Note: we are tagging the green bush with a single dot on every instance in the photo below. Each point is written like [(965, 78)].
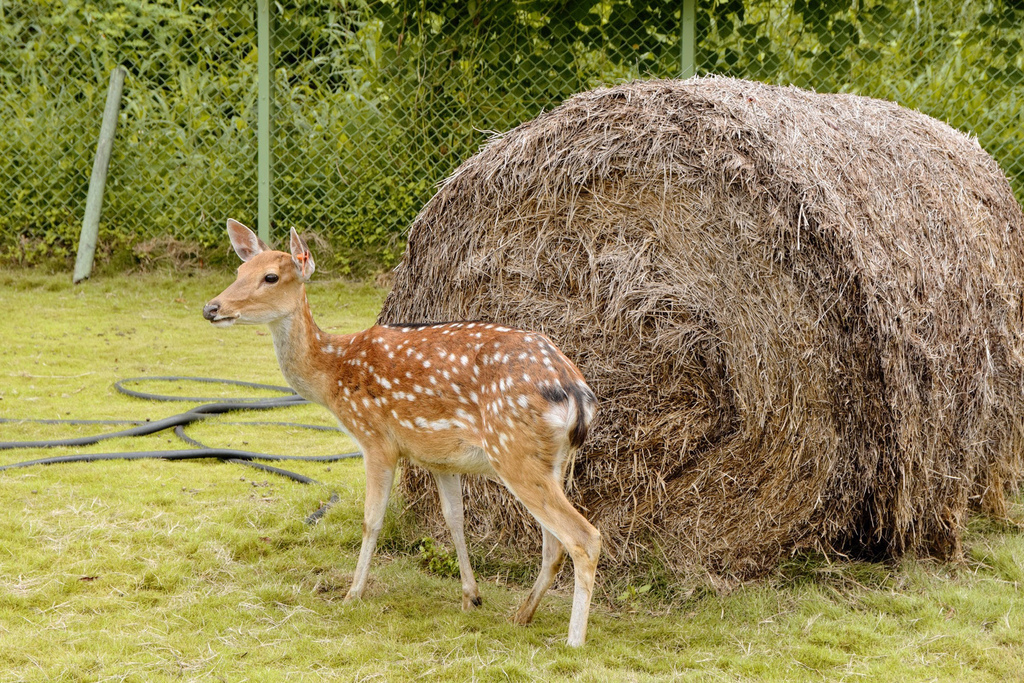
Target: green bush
[(377, 102)]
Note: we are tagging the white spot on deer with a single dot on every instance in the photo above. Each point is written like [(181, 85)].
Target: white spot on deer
[(435, 425), (383, 382), (523, 401), (426, 363)]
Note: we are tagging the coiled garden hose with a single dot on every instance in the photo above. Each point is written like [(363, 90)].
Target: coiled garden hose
[(211, 406)]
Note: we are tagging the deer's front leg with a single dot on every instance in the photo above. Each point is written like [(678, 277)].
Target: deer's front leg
[(380, 473), (450, 488)]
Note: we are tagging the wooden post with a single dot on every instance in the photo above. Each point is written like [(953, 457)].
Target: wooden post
[(687, 39), (264, 162), (98, 181)]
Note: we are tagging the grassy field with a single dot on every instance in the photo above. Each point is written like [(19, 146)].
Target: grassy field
[(201, 570)]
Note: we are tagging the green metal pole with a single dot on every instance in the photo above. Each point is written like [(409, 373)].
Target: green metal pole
[(264, 162), (687, 39), (98, 180)]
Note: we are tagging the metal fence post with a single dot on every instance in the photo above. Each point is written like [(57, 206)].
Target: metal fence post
[(264, 162), (687, 39), (98, 180)]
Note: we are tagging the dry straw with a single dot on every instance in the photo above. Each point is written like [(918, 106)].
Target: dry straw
[(801, 314)]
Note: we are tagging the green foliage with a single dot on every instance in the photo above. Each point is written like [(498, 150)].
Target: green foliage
[(376, 101), (961, 62), (184, 147), (436, 559)]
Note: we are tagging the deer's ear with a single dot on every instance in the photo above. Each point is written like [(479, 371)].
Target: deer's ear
[(245, 242), (301, 257)]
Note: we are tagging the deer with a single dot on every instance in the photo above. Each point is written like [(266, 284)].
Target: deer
[(456, 398)]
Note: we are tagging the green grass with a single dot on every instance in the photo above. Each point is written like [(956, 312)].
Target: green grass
[(200, 570)]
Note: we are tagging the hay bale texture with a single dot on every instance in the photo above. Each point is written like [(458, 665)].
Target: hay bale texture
[(801, 314)]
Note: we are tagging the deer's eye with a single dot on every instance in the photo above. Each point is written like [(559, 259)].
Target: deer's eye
[(270, 278)]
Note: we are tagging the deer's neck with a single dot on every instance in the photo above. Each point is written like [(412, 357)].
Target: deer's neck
[(304, 353)]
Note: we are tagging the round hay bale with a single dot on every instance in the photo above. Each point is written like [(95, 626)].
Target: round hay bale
[(801, 314)]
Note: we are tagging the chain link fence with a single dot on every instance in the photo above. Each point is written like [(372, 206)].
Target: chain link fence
[(376, 102), (184, 153)]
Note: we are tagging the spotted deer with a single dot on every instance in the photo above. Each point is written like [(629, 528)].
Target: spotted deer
[(455, 398)]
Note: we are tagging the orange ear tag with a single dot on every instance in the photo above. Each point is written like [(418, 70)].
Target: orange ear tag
[(303, 259)]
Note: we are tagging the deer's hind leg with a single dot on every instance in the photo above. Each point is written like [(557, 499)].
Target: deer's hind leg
[(552, 558), (536, 481)]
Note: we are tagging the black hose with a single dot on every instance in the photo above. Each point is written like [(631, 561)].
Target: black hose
[(216, 406), (120, 386)]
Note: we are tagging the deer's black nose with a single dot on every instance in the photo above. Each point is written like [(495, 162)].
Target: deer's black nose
[(210, 310)]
